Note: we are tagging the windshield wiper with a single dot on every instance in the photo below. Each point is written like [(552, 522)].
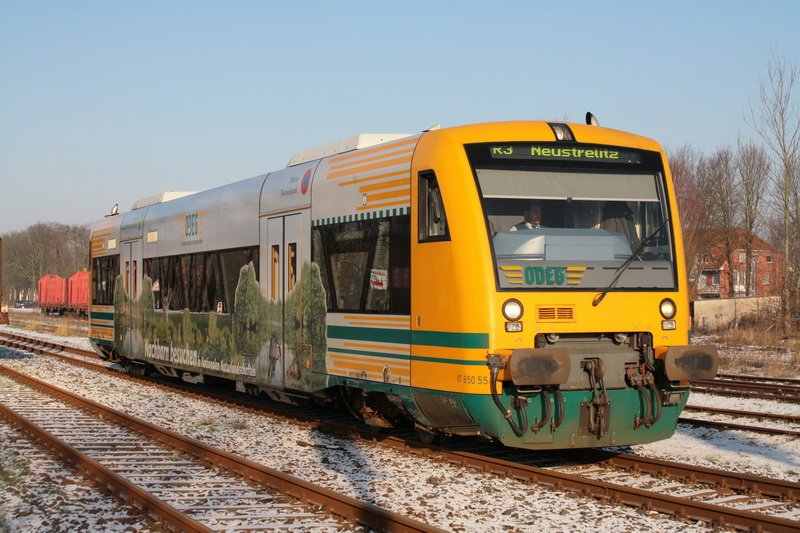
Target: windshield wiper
[(645, 242)]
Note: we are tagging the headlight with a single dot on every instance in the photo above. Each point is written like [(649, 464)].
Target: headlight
[(667, 308), (512, 310)]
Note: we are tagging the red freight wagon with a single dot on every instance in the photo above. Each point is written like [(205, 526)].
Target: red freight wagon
[(52, 294), (78, 292)]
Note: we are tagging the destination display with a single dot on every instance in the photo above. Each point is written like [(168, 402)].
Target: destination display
[(550, 152)]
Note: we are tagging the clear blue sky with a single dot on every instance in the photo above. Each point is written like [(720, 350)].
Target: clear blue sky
[(105, 102)]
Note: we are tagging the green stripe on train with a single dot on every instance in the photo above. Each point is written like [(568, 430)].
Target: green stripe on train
[(446, 339), (397, 336), (406, 357), (448, 361), (103, 342), (101, 316), (400, 356)]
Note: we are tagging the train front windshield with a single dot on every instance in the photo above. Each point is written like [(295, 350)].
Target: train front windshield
[(576, 216)]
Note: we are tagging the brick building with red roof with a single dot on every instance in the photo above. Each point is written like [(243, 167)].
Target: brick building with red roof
[(715, 272)]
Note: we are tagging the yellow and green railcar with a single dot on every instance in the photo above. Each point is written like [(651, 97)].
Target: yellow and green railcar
[(521, 281)]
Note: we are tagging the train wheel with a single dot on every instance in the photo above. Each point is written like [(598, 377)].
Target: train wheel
[(429, 437)]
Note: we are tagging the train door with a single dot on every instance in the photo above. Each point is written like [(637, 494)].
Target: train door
[(132, 268), (131, 271), (280, 273)]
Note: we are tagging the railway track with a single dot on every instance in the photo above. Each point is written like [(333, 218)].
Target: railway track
[(747, 388), (186, 484), (761, 379), (789, 419), (736, 413), (91, 360), (716, 497), (42, 493)]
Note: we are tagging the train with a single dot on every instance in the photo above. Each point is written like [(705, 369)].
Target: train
[(520, 281), (57, 295)]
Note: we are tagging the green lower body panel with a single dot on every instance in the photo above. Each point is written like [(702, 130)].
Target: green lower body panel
[(580, 425), (101, 342)]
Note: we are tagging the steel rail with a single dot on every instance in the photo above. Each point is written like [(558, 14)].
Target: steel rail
[(104, 477), (792, 419), (686, 508), (55, 350), (727, 426), (785, 490), (767, 391), (764, 379), (355, 511), (34, 343), (778, 388), (719, 516)]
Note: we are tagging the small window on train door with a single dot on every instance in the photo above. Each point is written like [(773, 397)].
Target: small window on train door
[(276, 272), (291, 267), (432, 217), (127, 275)]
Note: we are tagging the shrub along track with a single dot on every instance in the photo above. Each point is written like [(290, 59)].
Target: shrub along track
[(717, 497)]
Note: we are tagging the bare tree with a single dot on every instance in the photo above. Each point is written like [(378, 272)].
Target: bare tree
[(717, 181), (752, 171), (777, 121), (44, 248), (694, 211)]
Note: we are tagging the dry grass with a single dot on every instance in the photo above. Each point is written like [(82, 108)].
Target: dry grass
[(766, 365), (62, 326), (64, 330), (758, 348), (763, 335)]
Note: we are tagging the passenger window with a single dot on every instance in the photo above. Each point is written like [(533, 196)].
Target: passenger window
[(104, 275), (200, 282), (432, 217), (364, 264)]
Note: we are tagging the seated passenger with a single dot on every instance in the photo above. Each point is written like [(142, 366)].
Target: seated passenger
[(618, 217), (533, 218)]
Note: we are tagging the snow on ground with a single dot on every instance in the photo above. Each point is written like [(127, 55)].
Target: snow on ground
[(448, 496), (743, 404), (74, 342), (38, 493), (772, 456), (755, 360), (700, 399)]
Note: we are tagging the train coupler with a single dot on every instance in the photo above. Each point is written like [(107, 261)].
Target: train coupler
[(496, 363), (650, 394), (596, 413)]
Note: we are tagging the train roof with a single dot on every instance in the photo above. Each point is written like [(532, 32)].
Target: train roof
[(159, 198), (355, 142)]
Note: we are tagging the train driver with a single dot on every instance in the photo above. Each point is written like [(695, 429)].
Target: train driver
[(533, 218)]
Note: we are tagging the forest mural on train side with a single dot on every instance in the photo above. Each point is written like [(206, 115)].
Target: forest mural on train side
[(249, 344)]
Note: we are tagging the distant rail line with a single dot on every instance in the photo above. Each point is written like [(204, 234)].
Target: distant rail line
[(726, 499), (766, 389), (762, 379)]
